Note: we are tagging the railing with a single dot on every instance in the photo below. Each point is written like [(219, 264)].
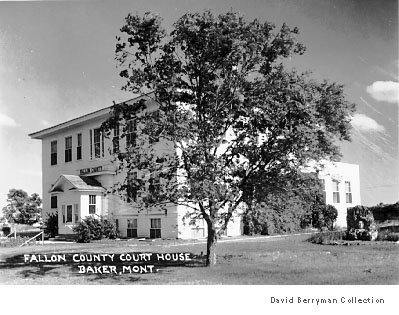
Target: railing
[(41, 233), (14, 232)]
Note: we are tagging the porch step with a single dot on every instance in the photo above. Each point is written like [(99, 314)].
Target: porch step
[(65, 238)]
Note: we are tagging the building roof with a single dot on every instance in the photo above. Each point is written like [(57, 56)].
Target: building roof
[(102, 113), (78, 183)]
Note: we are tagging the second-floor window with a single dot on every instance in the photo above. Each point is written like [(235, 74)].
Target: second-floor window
[(131, 133), (131, 189), (335, 188), (154, 131), (53, 155), (68, 149), (53, 202), (96, 143), (154, 186), (79, 147), (115, 140), (348, 192)]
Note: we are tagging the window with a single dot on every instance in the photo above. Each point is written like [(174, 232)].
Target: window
[(335, 188), (53, 202), (53, 152), (115, 140), (91, 143), (131, 133), (131, 228), (96, 143), (92, 204), (69, 214), (63, 213), (323, 186), (153, 125), (131, 188), (348, 192), (76, 213), (155, 230), (68, 149), (79, 147), (154, 187)]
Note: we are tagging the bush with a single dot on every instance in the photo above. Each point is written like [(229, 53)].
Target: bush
[(324, 217), (109, 230), (327, 237), (92, 228), (51, 224), (6, 230), (388, 236)]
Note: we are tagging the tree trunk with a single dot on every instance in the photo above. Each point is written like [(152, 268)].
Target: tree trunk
[(211, 245)]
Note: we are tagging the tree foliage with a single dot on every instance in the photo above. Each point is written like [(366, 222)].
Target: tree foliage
[(232, 116), (91, 228), (288, 209), (51, 224), (22, 208)]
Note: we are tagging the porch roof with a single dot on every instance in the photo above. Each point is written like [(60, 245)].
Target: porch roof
[(78, 183)]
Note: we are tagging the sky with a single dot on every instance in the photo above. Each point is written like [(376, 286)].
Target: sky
[(57, 63)]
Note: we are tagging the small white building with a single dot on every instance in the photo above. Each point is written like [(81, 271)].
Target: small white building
[(78, 170), (341, 183)]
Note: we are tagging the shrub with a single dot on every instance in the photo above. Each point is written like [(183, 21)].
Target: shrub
[(6, 230), (327, 237), (109, 230), (51, 224), (388, 236), (92, 228), (324, 217)]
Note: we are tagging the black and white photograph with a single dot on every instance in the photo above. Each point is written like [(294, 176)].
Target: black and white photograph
[(246, 150)]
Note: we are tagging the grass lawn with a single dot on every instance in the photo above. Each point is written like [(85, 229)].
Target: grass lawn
[(285, 260)]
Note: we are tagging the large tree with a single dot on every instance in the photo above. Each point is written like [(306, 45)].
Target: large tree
[(22, 208), (232, 115)]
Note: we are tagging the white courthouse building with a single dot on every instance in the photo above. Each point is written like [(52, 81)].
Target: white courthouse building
[(78, 170)]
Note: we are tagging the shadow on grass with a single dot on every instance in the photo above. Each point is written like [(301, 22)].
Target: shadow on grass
[(111, 269)]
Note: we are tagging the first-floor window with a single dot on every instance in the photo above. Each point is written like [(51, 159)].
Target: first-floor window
[(69, 214), (323, 186), (76, 213), (155, 230), (131, 228), (92, 204), (335, 187), (63, 213)]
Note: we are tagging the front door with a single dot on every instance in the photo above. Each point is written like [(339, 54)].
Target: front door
[(68, 214)]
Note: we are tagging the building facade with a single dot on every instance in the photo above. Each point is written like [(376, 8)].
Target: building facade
[(341, 185), (78, 173)]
